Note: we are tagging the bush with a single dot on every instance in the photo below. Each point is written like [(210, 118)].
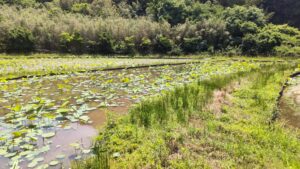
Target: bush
[(288, 51), (262, 43), (82, 8), (249, 45), (173, 11), (72, 43), (2, 37), (192, 45), (23, 3), (163, 44), (145, 46), (241, 20), (20, 39), (103, 45), (126, 46)]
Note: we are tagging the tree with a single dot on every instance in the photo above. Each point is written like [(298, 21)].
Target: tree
[(241, 20), (172, 11), (20, 39), (284, 11)]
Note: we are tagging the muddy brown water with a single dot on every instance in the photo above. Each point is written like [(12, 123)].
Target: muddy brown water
[(290, 104), (82, 134)]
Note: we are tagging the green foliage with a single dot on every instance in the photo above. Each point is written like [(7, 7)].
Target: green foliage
[(80, 8), (163, 44), (145, 46), (201, 11), (241, 20), (72, 43), (20, 39), (262, 43), (187, 26), (192, 45), (126, 46), (173, 11), (241, 136), (23, 3), (104, 44), (287, 51), (286, 11), (283, 38)]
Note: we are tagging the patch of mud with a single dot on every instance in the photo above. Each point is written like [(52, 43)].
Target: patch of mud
[(222, 97), (289, 104), (61, 145)]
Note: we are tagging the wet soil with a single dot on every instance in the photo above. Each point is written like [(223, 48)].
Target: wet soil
[(290, 104), (48, 87)]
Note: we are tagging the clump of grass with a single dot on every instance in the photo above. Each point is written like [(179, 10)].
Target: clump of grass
[(180, 103), (175, 130)]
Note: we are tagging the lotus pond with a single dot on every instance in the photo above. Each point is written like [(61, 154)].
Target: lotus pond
[(48, 121), (27, 67)]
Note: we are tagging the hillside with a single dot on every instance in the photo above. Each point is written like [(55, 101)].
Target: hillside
[(145, 27)]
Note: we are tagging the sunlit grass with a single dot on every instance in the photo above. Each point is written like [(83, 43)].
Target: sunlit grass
[(175, 130)]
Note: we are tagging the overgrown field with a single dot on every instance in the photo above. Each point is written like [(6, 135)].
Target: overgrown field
[(177, 113), (41, 64), (185, 128)]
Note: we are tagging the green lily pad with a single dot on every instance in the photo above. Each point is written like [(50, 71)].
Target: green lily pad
[(60, 156), (54, 163), (48, 135), (32, 164), (86, 151)]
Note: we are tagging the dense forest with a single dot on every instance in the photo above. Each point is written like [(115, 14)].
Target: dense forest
[(127, 27)]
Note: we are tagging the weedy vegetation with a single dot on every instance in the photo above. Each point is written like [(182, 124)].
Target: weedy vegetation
[(177, 130)]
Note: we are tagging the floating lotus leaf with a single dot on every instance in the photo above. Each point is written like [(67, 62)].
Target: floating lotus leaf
[(75, 145), (3, 152), (63, 111), (86, 151), (78, 157), (60, 156), (32, 164), (43, 166), (48, 135), (84, 118), (54, 163)]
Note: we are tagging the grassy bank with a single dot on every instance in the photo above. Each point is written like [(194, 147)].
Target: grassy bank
[(177, 130), (40, 65), (22, 66)]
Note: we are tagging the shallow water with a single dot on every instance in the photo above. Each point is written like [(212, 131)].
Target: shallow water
[(97, 93), (61, 113), (290, 103)]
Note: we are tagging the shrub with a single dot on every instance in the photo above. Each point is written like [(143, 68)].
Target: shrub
[(241, 20), (23, 3), (191, 45), (72, 43), (126, 46), (249, 45), (20, 39), (2, 37), (104, 44), (130, 45), (287, 51), (145, 46), (262, 43), (203, 11), (163, 44), (173, 11), (82, 8)]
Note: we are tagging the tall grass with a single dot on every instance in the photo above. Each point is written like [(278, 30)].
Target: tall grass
[(159, 127), (182, 102)]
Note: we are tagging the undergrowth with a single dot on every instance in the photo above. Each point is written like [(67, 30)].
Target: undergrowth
[(175, 130)]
